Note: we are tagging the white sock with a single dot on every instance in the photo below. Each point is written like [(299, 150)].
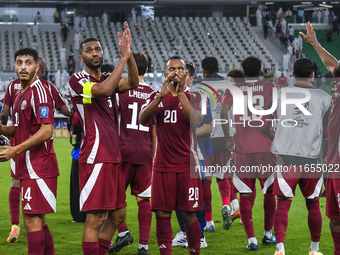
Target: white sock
[(280, 246), (268, 233), (235, 205), (314, 246), (210, 223), (252, 240)]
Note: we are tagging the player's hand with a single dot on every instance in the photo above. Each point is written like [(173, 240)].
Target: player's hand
[(165, 89), (310, 38), (125, 42), (181, 76), (230, 144), (8, 153)]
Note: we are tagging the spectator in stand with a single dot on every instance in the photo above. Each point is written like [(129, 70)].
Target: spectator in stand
[(336, 25), (283, 39), (300, 15), (70, 51), (56, 16), (63, 57), (291, 34), (282, 81), (37, 18), (282, 15), (71, 65), (64, 32), (28, 30), (288, 13), (278, 28)]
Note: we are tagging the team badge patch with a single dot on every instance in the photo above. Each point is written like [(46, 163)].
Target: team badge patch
[(43, 111), (23, 105), (179, 105)]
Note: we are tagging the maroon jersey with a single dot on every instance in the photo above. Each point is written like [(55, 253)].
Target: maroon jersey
[(58, 101), (135, 139), (176, 140), (250, 139), (99, 119), (15, 86), (30, 109), (334, 130), (11, 90)]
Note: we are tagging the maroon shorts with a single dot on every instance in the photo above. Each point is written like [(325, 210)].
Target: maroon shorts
[(288, 177), (139, 178), (252, 166), (176, 191), (333, 198), (219, 157), (101, 187), (39, 196)]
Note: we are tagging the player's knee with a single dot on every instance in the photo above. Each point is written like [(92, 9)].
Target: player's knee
[(334, 222), (188, 217)]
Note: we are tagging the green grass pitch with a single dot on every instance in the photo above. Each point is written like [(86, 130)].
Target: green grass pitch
[(67, 236)]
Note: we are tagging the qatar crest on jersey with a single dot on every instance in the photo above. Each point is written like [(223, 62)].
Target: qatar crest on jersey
[(179, 105), (23, 105)]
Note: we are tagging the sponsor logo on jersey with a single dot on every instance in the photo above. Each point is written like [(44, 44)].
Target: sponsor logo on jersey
[(23, 105), (195, 205), (27, 207), (43, 111)]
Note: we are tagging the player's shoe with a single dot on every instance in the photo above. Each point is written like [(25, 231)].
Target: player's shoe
[(180, 239), (121, 242), (143, 249), (210, 227), (314, 252), (203, 243), (14, 235), (226, 215), (268, 241), (236, 215), (252, 246), (280, 252)]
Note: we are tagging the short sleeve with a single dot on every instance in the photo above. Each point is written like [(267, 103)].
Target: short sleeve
[(82, 87), (8, 98), (58, 100), (228, 98), (42, 105)]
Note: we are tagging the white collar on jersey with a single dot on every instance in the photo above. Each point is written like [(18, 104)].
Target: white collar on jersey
[(36, 81), (251, 81)]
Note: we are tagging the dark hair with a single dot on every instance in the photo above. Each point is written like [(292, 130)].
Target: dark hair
[(141, 62), (337, 71), (90, 39), (251, 66), (107, 68), (235, 73), (191, 69), (174, 57), (27, 51), (303, 68), (210, 65)]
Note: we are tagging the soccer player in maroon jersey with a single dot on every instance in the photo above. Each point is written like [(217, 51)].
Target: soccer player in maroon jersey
[(332, 158), (252, 148), (59, 103), (93, 95), (175, 184), (136, 147), (35, 160)]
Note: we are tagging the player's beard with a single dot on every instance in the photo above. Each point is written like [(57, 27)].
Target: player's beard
[(89, 64), (27, 78)]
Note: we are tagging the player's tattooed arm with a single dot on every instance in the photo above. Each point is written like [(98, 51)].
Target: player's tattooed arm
[(328, 60), (147, 113), (190, 113), (225, 127), (6, 130), (43, 134)]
